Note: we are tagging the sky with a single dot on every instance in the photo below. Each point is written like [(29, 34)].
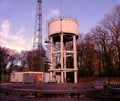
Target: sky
[(17, 18)]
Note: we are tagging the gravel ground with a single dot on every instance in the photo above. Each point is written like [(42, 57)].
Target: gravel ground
[(14, 98), (48, 87)]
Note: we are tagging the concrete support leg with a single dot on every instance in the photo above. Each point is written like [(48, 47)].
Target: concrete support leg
[(51, 58), (61, 55), (75, 77), (51, 76), (75, 59), (62, 78), (65, 77)]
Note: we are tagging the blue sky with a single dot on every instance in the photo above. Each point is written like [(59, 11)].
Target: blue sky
[(17, 18)]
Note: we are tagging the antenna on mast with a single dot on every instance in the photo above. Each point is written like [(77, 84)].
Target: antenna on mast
[(60, 9)]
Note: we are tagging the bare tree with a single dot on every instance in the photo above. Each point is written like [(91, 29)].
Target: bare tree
[(111, 23), (33, 61), (100, 49), (85, 51), (102, 44), (8, 61), (3, 62)]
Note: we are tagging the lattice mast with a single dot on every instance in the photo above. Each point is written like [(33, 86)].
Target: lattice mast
[(38, 26), (37, 42)]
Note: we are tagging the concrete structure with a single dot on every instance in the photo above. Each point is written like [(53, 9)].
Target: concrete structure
[(16, 77), (63, 34), (29, 77)]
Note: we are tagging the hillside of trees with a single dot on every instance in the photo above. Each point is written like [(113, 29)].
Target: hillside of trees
[(98, 51)]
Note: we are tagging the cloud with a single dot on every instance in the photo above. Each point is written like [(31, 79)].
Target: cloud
[(53, 13), (5, 26), (16, 41)]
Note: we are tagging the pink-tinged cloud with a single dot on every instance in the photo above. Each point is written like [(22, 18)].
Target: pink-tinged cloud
[(53, 13), (15, 41)]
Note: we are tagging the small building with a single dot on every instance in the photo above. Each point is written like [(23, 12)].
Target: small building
[(29, 77)]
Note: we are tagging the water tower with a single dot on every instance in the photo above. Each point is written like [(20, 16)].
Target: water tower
[(63, 34)]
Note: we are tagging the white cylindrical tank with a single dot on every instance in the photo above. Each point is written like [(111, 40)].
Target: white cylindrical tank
[(65, 25)]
